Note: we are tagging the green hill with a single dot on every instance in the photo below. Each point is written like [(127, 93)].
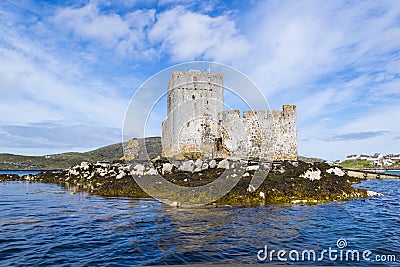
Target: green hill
[(58, 161), (66, 160), (310, 160)]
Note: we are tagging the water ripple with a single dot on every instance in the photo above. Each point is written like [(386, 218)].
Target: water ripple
[(45, 224)]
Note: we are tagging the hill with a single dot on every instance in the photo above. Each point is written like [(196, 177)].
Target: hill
[(365, 164), (310, 160), (58, 161), (66, 160)]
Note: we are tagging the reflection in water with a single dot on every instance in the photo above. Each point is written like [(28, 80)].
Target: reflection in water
[(42, 223)]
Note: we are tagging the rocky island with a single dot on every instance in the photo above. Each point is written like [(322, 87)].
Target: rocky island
[(286, 182)]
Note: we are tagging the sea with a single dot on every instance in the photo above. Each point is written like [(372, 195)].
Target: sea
[(48, 225), (20, 173)]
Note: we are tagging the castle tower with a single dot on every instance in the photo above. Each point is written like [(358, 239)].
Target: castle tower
[(194, 101)]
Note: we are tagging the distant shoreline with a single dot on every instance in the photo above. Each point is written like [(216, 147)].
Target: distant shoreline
[(27, 172), (380, 170), (31, 170)]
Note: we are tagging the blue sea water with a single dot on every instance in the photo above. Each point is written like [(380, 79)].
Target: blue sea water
[(393, 172), (45, 224), (20, 173)]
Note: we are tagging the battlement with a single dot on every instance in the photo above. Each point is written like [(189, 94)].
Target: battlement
[(247, 114), (289, 110), (274, 113), (229, 114), (252, 114), (195, 73), (191, 79), (288, 107)]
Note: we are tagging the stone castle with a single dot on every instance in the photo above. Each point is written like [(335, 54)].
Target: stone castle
[(198, 127)]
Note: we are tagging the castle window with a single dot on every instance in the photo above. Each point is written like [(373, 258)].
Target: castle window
[(193, 97), (195, 79), (209, 79), (219, 144)]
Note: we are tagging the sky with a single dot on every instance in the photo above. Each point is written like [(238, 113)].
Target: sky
[(68, 69)]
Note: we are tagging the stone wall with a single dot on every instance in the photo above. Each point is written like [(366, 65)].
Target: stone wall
[(232, 139), (281, 128)]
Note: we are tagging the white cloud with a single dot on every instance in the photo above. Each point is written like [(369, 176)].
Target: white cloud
[(86, 22), (124, 34), (377, 119), (31, 93), (55, 137), (186, 35), (393, 66), (326, 138), (296, 42)]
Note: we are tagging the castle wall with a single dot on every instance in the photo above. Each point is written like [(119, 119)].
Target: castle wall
[(273, 137), (282, 133), (241, 137), (289, 125), (255, 122), (232, 140)]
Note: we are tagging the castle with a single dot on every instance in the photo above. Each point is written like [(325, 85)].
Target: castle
[(198, 127)]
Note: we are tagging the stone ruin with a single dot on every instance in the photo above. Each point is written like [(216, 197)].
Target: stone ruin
[(198, 127)]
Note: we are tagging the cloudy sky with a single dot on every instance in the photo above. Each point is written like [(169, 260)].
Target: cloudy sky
[(68, 69)]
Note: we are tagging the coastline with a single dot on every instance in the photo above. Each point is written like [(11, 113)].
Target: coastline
[(10, 171), (381, 170), (368, 174)]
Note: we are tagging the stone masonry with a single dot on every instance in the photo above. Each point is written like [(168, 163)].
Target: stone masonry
[(198, 127)]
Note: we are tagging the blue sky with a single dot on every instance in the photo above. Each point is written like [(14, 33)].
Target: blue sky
[(68, 69)]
